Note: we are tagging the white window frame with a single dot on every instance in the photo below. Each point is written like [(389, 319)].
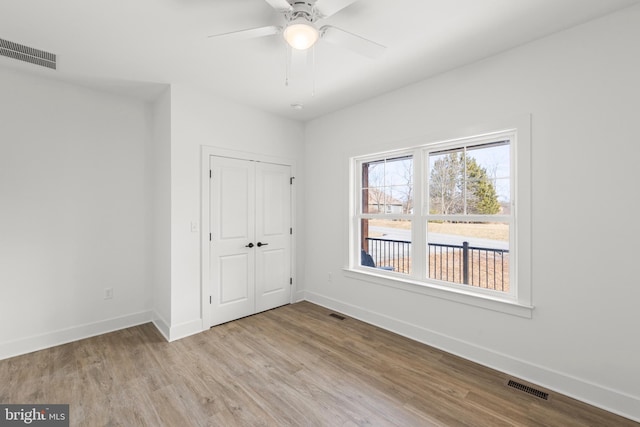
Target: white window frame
[(518, 300)]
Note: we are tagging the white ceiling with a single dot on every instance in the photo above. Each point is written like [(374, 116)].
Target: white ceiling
[(127, 44)]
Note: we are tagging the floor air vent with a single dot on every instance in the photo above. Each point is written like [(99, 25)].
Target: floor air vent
[(27, 54), (337, 316), (527, 389)]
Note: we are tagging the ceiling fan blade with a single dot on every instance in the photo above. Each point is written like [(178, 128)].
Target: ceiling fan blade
[(280, 5), (251, 33), (326, 8), (351, 41)]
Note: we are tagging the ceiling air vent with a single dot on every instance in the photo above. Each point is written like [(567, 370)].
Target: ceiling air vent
[(27, 54)]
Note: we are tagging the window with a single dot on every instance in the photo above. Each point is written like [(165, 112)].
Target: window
[(442, 216), (469, 214), (386, 213)]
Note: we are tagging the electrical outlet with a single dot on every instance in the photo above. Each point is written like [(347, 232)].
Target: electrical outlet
[(108, 293)]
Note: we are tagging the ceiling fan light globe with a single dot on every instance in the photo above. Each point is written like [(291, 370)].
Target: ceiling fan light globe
[(301, 36)]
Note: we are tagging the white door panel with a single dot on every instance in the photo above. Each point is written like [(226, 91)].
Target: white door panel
[(274, 276), (235, 206), (234, 279), (273, 214)]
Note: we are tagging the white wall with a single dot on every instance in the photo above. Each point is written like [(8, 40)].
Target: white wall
[(581, 88), (73, 211), (99, 191), (200, 119), (159, 242)]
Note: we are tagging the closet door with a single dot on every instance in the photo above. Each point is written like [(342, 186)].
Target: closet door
[(250, 253), (273, 235), (232, 264)]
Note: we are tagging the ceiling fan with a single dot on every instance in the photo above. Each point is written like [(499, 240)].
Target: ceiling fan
[(301, 31)]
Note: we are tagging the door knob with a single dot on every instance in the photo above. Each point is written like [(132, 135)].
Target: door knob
[(250, 245), (260, 244)]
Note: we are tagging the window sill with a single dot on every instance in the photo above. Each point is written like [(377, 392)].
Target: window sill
[(460, 296)]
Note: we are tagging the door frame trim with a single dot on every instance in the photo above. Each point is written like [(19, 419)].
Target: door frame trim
[(205, 228)]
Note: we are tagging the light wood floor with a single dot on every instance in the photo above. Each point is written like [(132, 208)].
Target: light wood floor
[(294, 365)]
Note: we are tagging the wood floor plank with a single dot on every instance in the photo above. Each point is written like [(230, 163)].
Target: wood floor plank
[(292, 366)]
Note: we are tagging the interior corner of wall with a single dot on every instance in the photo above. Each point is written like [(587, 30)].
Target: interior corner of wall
[(161, 325), (185, 329)]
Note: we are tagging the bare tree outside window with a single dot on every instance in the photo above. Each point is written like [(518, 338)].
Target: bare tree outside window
[(459, 185)]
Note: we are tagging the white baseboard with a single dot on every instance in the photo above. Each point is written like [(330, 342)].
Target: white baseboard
[(602, 397), (185, 329), (176, 332), (161, 325), (75, 333), (298, 296)]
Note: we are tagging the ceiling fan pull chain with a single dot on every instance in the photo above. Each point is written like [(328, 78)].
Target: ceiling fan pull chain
[(287, 67)]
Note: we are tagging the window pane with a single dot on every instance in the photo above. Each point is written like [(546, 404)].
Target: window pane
[(388, 186), (377, 200), (486, 166), (369, 201), (386, 244), (475, 254), (471, 180), (503, 189), (446, 183)]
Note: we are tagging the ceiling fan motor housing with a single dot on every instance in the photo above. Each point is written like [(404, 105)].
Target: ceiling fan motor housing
[(302, 9)]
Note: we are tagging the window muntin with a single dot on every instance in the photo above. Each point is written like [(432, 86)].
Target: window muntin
[(459, 225)]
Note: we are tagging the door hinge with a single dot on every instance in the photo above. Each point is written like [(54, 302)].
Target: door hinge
[(291, 230), (209, 299), (291, 180), (209, 173), (291, 280), (209, 236)]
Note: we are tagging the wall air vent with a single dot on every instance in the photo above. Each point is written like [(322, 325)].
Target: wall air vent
[(27, 54), (527, 389)]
